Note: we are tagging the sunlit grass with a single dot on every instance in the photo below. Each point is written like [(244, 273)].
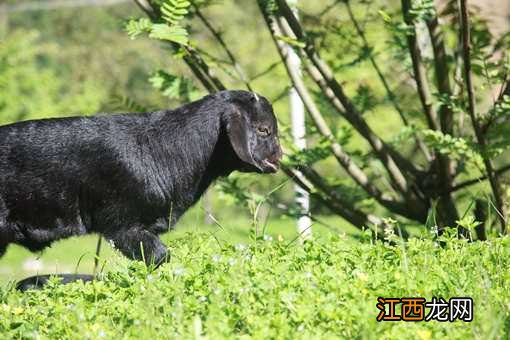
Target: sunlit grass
[(274, 289), (77, 253)]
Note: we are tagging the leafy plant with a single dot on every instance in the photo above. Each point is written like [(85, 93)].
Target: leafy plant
[(272, 289)]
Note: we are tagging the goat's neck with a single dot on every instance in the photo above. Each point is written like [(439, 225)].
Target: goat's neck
[(189, 153)]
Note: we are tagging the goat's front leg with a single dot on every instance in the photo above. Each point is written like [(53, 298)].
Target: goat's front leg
[(140, 244)]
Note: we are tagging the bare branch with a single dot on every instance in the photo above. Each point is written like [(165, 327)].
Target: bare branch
[(505, 90), (392, 161), (194, 61), (227, 50), (470, 182), (146, 7), (442, 165), (442, 72), (493, 180), (354, 216), (201, 76), (459, 84), (267, 70), (382, 78), (420, 73), (194, 56), (309, 180), (342, 157)]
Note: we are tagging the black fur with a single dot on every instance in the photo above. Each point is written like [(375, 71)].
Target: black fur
[(127, 177), (36, 282)]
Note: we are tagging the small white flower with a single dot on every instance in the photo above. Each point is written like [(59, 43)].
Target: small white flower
[(231, 262), (216, 258), (434, 230), (202, 299), (179, 271), (101, 334), (240, 247), (268, 238)]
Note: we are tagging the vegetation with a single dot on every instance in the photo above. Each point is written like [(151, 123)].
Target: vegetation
[(407, 124), (323, 289)]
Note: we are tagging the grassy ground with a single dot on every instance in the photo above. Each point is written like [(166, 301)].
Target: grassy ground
[(77, 254), (323, 289)]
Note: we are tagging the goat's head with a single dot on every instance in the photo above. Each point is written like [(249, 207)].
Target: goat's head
[(253, 132)]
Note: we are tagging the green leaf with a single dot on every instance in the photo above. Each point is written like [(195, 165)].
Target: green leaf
[(174, 87), (386, 17), (135, 27), (175, 34), (173, 11)]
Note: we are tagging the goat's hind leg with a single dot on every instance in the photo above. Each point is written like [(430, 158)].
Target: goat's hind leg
[(5, 231), (39, 281)]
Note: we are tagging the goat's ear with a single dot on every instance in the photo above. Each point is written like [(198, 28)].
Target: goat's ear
[(238, 133)]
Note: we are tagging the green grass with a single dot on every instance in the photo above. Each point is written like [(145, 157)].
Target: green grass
[(274, 289), (77, 253)]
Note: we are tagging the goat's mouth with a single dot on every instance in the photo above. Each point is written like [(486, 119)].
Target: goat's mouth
[(270, 166)]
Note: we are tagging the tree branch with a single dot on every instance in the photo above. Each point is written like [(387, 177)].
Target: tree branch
[(196, 64), (493, 180), (442, 165), (420, 73), (355, 217), (393, 164), (442, 73), (335, 202), (222, 43), (341, 156), (147, 8), (470, 182), (459, 84), (194, 57), (382, 78)]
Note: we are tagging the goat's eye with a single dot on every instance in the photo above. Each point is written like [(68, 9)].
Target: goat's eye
[(263, 131)]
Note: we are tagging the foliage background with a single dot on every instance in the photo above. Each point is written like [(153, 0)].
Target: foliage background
[(80, 61)]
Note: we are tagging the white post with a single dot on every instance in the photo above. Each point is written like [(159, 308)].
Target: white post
[(297, 114)]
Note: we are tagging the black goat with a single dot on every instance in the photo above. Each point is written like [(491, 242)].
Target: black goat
[(127, 177)]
